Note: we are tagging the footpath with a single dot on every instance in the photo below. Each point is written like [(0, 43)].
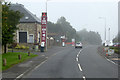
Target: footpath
[(18, 70), (114, 57)]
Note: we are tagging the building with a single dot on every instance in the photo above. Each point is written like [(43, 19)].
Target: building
[(29, 28)]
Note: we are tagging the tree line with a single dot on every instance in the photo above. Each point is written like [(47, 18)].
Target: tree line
[(64, 27), (89, 37)]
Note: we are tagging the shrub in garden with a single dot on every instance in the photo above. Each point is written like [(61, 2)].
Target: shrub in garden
[(17, 46)]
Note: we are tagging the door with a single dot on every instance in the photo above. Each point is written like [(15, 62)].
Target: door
[(31, 40), (22, 37)]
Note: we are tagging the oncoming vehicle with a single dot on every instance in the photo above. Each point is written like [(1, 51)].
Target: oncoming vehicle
[(78, 45)]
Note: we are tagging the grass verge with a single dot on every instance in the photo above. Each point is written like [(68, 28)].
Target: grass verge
[(0, 63), (12, 58), (116, 49)]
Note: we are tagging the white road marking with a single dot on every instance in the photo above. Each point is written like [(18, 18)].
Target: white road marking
[(22, 74), (77, 55), (19, 76), (79, 67), (46, 57), (36, 66), (111, 61), (40, 64), (76, 59), (108, 59), (43, 55), (84, 78), (29, 69)]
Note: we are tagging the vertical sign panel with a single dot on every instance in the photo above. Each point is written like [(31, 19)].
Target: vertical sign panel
[(43, 27)]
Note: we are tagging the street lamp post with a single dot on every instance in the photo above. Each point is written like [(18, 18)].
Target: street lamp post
[(46, 24), (105, 26), (46, 4), (109, 34)]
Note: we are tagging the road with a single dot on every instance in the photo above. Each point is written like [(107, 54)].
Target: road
[(75, 63)]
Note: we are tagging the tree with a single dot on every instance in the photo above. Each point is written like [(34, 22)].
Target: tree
[(62, 27), (10, 19), (90, 37), (0, 24), (68, 30)]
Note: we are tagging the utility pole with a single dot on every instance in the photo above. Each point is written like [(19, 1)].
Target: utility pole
[(104, 26), (109, 34)]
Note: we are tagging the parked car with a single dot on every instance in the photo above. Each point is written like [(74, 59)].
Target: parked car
[(116, 44), (78, 45)]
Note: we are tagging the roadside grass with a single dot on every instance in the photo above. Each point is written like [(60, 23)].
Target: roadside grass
[(0, 63), (12, 58), (116, 49)]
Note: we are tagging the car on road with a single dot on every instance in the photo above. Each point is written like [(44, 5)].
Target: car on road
[(78, 45)]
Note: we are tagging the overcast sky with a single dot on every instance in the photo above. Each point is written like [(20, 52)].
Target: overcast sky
[(80, 13)]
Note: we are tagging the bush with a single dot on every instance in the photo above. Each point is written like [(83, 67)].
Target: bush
[(27, 47), (12, 45), (116, 49), (17, 46), (9, 45), (21, 47)]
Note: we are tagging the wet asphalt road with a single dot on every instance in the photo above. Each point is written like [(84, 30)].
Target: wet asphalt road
[(75, 63)]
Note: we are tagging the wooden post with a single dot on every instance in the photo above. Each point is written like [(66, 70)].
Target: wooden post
[(19, 57), (4, 62), (28, 53)]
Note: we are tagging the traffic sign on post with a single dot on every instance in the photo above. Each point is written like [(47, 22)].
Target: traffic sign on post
[(44, 28)]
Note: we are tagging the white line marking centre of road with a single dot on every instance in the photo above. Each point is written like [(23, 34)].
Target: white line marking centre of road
[(79, 53), (77, 59), (84, 78), (79, 67)]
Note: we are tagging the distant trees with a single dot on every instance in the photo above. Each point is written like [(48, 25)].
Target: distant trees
[(63, 27), (90, 37), (10, 19)]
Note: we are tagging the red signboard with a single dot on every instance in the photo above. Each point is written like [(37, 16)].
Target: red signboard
[(43, 27)]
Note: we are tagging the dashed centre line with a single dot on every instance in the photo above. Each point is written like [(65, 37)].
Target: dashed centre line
[(77, 59), (84, 78), (77, 55), (79, 67)]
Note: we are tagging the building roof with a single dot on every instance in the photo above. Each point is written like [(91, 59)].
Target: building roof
[(28, 16)]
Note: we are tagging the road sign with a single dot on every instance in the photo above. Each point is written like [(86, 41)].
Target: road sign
[(73, 42), (44, 27), (110, 51), (106, 49)]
